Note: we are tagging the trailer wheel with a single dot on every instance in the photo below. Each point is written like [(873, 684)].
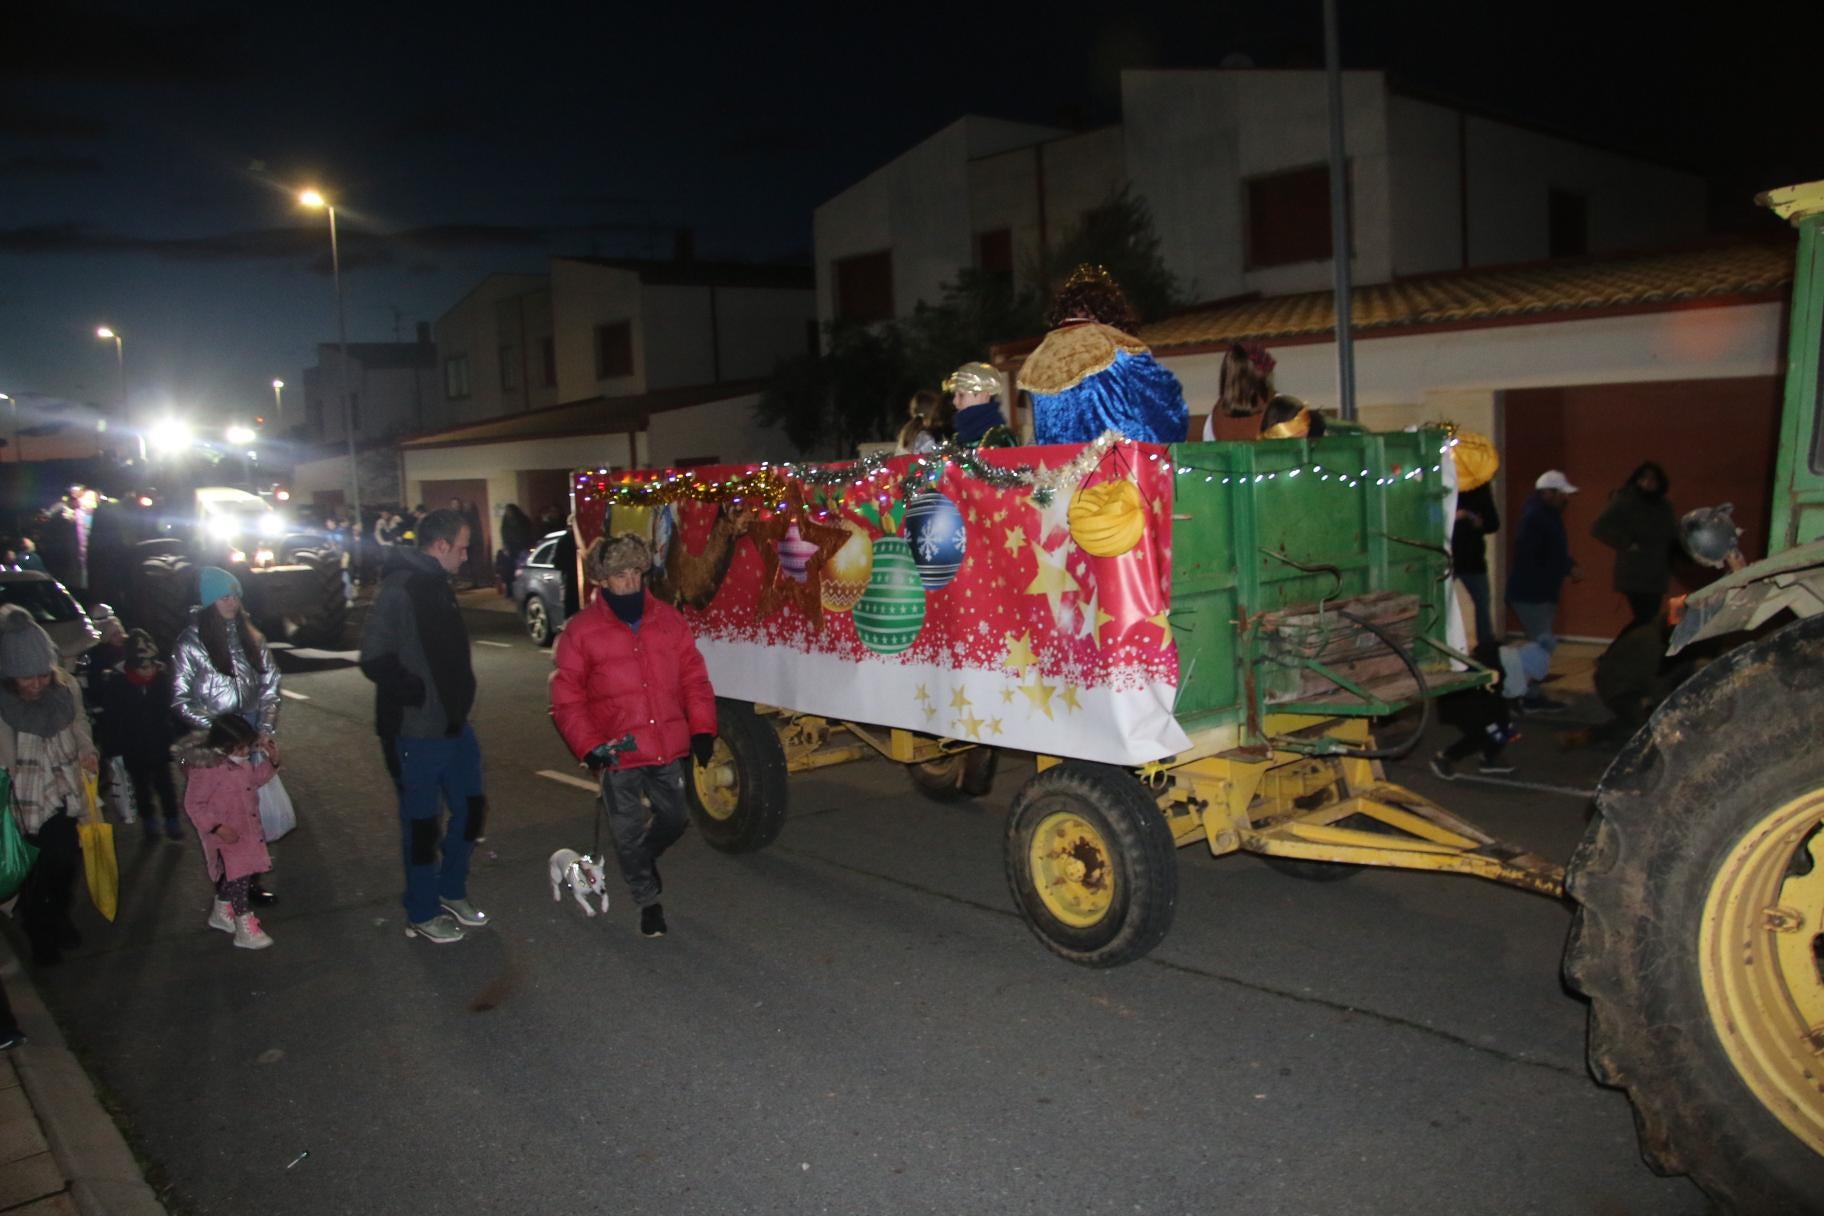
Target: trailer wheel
[(964, 774), (162, 592), (1697, 937), (738, 799), (1091, 863), (327, 617)]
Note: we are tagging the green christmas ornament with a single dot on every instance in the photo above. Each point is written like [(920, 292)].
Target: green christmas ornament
[(892, 609)]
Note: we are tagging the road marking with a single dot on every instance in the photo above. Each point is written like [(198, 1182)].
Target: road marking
[(581, 783), (296, 696), (306, 652), (1571, 790), (485, 642)]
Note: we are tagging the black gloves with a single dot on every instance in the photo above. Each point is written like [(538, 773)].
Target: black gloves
[(600, 756), (702, 747)]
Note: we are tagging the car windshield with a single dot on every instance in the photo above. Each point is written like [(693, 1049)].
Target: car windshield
[(48, 602), (541, 556)]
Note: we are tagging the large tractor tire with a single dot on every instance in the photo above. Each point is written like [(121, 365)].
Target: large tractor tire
[(738, 799), (326, 619), (1091, 863), (1698, 936), (163, 591), (960, 775)]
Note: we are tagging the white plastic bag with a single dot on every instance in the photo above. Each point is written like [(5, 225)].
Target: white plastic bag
[(276, 814), (119, 791)]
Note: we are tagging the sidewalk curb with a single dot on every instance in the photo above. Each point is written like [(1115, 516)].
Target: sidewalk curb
[(103, 1177)]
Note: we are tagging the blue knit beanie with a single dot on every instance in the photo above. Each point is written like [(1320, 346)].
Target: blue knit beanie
[(213, 582)]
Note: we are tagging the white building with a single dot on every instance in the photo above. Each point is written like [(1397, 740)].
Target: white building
[(392, 388), (1233, 164), (495, 353)]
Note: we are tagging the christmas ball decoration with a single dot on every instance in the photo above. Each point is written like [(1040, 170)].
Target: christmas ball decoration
[(1477, 460), (1109, 519), (845, 576), (892, 609), (794, 553), (934, 529)]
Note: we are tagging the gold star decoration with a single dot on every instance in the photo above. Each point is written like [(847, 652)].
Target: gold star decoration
[(1069, 697), (776, 585), (994, 724), (930, 712), (1162, 618), (972, 725), (1016, 537), (1039, 693), (1055, 516), (1007, 695), (1019, 652), (1093, 619), (959, 699), (1051, 580)]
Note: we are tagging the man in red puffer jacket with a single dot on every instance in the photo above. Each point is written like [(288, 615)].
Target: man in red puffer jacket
[(632, 698)]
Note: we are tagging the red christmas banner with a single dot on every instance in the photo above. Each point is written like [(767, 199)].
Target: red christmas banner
[(1014, 597)]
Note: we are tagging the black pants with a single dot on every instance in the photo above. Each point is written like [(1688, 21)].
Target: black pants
[(1644, 607), (45, 902), (1471, 742), (641, 836), (149, 777)]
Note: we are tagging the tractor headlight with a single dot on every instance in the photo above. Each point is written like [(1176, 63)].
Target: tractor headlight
[(271, 525), (224, 527)]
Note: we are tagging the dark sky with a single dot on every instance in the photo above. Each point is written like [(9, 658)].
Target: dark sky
[(148, 159)]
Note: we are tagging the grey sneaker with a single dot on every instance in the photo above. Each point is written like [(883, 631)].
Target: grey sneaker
[(467, 913), (439, 930)]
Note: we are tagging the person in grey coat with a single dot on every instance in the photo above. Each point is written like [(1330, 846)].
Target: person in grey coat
[(1641, 526)]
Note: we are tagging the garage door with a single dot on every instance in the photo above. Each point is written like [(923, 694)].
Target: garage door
[(1716, 439)]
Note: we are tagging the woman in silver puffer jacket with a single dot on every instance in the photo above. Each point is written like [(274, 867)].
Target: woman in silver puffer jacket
[(221, 665)]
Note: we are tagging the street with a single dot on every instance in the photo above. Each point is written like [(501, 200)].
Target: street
[(853, 1020)]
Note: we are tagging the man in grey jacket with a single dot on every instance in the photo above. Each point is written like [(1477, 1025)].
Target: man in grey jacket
[(415, 649)]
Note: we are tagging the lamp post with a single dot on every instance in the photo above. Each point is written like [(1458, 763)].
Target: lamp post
[(278, 403), (313, 198), (14, 402), (120, 363)]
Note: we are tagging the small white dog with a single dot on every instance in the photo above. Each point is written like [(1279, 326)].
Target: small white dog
[(584, 876)]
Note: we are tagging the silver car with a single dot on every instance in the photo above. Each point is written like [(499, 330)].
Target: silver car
[(538, 590), (55, 609)]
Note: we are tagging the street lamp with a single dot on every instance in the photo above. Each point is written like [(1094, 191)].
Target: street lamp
[(312, 198), (120, 361), (278, 401), (14, 403)]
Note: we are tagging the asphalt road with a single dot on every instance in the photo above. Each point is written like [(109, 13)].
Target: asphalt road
[(853, 1021)]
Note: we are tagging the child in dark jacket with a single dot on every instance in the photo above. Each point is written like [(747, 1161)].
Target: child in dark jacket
[(1481, 718), (222, 798), (133, 720)]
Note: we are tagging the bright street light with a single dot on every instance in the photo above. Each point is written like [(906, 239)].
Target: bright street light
[(312, 198), (120, 361), (170, 436), (240, 436), (278, 401), (105, 333)]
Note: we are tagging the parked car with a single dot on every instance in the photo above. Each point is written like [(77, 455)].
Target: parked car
[(54, 608), (538, 590)]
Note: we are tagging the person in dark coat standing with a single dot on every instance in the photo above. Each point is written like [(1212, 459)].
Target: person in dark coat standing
[(1542, 559), (134, 720), (1641, 526), (1477, 519)]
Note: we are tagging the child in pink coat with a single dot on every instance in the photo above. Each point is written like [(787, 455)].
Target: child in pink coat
[(222, 798)]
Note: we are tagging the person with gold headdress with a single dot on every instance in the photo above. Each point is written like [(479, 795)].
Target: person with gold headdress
[(1091, 374), (978, 421), (1286, 417)]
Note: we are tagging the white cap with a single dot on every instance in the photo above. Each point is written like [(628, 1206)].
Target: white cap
[(1552, 479)]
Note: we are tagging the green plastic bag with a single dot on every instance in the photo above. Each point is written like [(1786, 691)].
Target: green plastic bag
[(16, 853)]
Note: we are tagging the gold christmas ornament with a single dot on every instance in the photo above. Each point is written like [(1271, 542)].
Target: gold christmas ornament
[(845, 577), (1107, 520), (1477, 460)]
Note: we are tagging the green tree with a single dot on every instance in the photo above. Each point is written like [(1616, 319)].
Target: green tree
[(1118, 235), (854, 392)]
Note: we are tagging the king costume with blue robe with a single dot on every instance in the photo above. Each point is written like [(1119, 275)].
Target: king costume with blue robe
[(1086, 378)]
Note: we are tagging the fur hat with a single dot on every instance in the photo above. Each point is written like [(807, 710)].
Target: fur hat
[(612, 554), (25, 648)]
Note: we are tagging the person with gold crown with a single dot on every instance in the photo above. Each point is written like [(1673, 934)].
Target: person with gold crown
[(1091, 374), (978, 421)]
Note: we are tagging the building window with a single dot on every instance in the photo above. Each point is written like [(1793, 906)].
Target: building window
[(994, 252), (1289, 217), (550, 353), (864, 287), (614, 350), (509, 369), (456, 377), (1567, 223)]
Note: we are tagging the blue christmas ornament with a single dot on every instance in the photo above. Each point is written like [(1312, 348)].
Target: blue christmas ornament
[(934, 529)]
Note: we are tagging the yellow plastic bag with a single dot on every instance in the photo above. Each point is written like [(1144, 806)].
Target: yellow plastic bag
[(98, 860)]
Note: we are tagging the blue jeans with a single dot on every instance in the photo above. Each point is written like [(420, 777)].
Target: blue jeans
[(1536, 622), (1476, 583), (425, 771)]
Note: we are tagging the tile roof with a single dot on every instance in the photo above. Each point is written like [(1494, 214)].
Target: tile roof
[(1547, 291), (591, 416)]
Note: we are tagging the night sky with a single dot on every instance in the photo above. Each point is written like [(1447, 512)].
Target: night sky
[(148, 161)]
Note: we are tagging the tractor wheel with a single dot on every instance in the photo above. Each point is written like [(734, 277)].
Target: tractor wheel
[(1697, 938), (738, 799), (326, 619), (163, 591), (1091, 863), (965, 774), (538, 621)]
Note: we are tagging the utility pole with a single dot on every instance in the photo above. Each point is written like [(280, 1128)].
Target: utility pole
[(1339, 217)]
